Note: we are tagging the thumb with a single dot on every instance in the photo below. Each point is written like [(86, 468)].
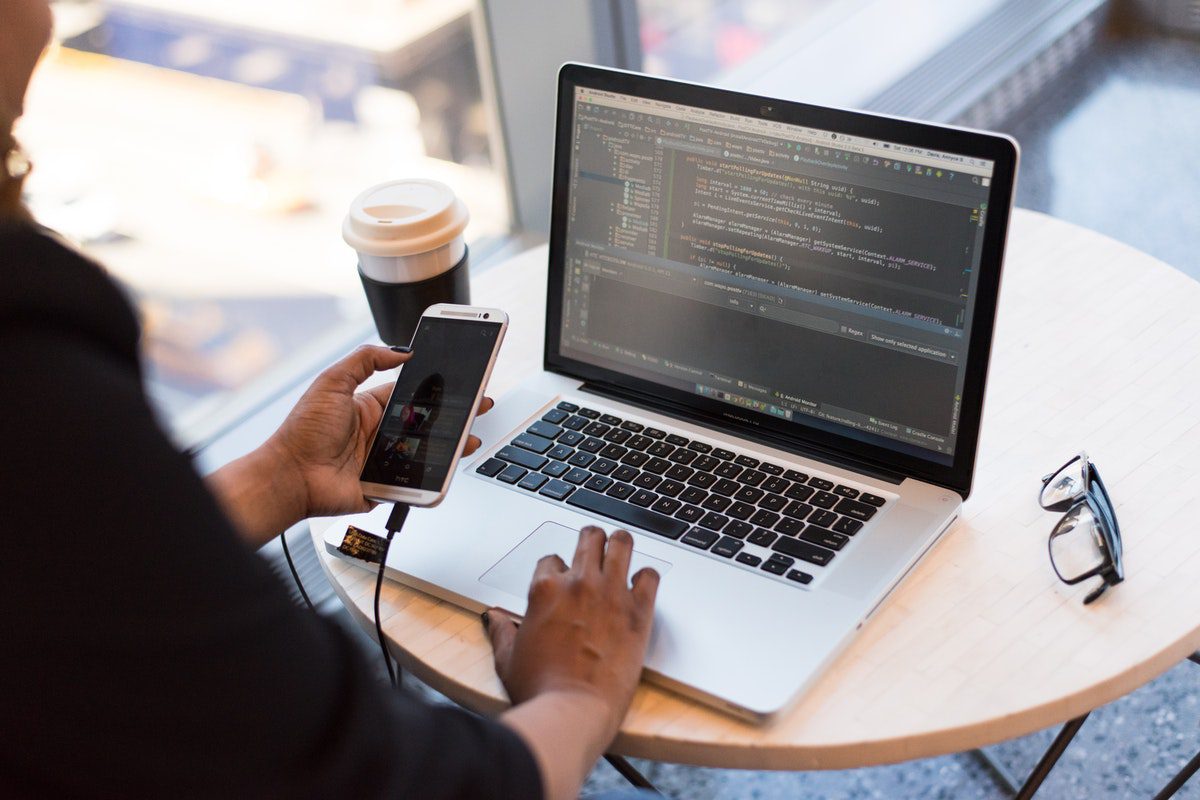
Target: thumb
[(502, 630)]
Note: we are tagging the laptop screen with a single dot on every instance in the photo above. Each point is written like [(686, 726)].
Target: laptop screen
[(802, 274)]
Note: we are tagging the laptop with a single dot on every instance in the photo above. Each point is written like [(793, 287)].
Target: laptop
[(768, 327)]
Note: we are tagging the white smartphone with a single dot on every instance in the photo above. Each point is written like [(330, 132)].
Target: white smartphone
[(428, 417)]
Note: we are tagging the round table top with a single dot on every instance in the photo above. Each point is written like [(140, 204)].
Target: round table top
[(1097, 347)]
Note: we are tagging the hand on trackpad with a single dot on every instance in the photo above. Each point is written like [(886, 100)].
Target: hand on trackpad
[(513, 573)]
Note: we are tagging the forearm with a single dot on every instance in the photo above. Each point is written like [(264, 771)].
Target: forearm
[(567, 733), (261, 493)]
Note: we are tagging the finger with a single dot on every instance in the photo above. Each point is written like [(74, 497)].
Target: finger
[(485, 406), (617, 556), (589, 551), (549, 566), (382, 392), (645, 589), (502, 631), (364, 362), (472, 445)]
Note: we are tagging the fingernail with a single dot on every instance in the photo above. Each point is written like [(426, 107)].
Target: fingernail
[(401, 348), (487, 620)]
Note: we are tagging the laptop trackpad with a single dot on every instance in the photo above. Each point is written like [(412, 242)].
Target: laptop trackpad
[(513, 573)]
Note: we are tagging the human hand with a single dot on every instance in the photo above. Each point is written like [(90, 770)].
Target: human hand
[(585, 630), (325, 438)]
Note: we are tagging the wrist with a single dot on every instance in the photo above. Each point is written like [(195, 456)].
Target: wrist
[(262, 493)]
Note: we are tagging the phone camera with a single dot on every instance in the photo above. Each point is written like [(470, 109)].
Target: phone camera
[(487, 316)]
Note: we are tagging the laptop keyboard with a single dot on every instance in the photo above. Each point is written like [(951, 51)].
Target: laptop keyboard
[(686, 490)]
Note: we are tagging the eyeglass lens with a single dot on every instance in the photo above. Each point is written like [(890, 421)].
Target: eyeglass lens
[(1068, 483), (1077, 544)]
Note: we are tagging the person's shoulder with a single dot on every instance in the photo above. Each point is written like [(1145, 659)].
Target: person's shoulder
[(47, 286)]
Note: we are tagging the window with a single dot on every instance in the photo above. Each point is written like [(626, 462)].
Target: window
[(205, 152)]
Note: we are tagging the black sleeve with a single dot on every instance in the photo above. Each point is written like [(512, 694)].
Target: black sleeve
[(146, 651)]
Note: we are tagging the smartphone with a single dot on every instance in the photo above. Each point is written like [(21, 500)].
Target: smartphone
[(428, 417)]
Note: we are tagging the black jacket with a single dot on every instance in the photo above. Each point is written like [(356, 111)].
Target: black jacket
[(144, 649)]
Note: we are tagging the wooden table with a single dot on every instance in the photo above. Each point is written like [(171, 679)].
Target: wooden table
[(1097, 348)]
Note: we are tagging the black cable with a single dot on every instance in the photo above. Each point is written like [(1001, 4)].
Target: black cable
[(295, 575), (395, 522)]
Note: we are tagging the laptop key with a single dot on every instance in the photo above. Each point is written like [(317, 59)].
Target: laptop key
[(748, 494), (727, 547), (682, 456), (799, 492), (670, 488), (556, 469), (524, 458), (725, 486), (645, 519), (603, 466), (577, 476), (559, 452), (640, 442), (845, 491), (764, 519), (555, 415), (746, 461), (752, 477), (728, 469), (633, 427), (762, 537), (794, 475), (598, 483), (722, 453), (822, 517), (532, 443), (702, 479), (591, 445), (804, 551), (512, 473), (613, 451), (575, 423), (625, 474), (533, 481), (789, 526), (770, 469), (571, 438), (689, 513), (643, 498), (823, 537), (491, 468), (698, 537), (660, 449), (617, 436), (740, 510), (749, 559), (657, 465), (825, 500), (798, 510), (715, 502), (621, 491), (773, 502), (590, 413), (543, 428), (777, 564), (666, 505), (799, 577), (872, 499), (776, 485), (570, 408), (647, 480), (693, 495), (654, 433), (856, 510), (680, 473), (609, 419), (581, 459), (700, 447), (597, 429), (714, 521), (706, 463), (676, 440), (634, 459), (847, 526), (821, 484), (738, 529)]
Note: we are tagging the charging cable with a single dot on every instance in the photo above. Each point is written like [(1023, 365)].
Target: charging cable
[(295, 574), (395, 523)]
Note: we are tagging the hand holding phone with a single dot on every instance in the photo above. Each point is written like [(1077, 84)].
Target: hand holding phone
[(428, 417)]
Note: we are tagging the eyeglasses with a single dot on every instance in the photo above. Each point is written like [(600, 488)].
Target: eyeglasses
[(1086, 542)]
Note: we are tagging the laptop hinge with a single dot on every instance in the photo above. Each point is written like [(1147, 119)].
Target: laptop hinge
[(723, 425)]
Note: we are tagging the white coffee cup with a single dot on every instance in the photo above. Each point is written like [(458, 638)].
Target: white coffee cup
[(406, 231)]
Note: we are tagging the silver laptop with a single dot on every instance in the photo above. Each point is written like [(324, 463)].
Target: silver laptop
[(767, 336)]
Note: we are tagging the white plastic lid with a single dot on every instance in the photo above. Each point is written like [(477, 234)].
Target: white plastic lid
[(405, 217)]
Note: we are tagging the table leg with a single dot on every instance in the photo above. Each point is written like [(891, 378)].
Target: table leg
[(629, 772), (1188, 770), (1050, 758), (999, 773)]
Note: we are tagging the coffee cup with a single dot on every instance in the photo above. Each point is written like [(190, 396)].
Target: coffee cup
[(411, 253)]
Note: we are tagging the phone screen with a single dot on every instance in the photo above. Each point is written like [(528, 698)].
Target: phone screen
[(430, 405)]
